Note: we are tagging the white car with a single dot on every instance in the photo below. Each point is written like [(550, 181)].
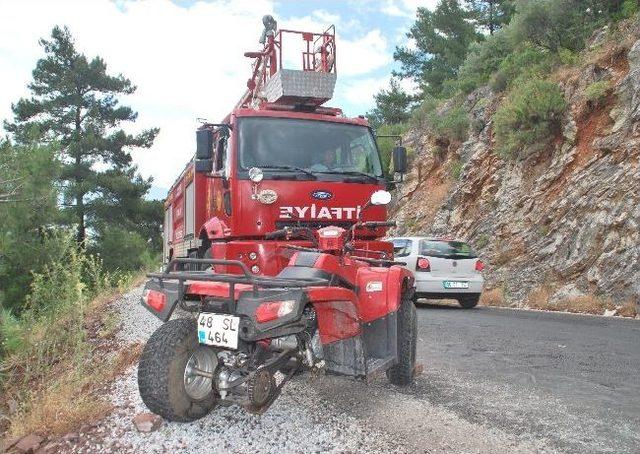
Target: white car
[(443, 268)]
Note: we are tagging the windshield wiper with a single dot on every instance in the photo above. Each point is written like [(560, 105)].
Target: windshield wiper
[(291, 168), (352, 172)]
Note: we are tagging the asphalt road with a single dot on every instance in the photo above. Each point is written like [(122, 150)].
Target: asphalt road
[(500, 380)]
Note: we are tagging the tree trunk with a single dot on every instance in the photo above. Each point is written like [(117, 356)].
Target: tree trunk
[(82, 234)]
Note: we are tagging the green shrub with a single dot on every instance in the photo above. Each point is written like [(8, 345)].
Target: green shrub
[(421, 116), (482, 61), (452, 125), (568, 57), (597, 91), (628, 9), (552, 24), (528, 117), (121, 250), (528, 61)]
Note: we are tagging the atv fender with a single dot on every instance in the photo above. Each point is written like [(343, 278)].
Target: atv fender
[(337, 313), (172, 292)]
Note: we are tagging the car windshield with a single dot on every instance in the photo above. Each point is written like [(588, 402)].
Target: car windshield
[(446, 249), (320, 147)]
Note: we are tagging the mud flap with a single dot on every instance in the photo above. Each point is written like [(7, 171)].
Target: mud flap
[(346, 357), (363, 355)]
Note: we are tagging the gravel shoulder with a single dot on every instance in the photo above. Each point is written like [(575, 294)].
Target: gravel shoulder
[(494, 381), (299, 421)]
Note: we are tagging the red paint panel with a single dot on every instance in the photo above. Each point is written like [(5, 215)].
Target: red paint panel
[(380, 291), (374, 291)]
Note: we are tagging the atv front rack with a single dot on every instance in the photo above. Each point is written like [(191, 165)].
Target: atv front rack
[(173, 282)]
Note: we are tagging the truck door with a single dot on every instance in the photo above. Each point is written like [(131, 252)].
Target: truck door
[(221, 197), (168, 232), (189, 210)]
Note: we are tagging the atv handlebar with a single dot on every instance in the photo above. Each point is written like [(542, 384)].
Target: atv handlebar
[(288, 232), (275, 234)]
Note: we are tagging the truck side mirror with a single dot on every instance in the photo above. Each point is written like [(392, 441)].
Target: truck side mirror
[(204, 144), (204, 165), (400, 159)]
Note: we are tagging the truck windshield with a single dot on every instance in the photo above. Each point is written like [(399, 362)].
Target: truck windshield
[(319, 147)]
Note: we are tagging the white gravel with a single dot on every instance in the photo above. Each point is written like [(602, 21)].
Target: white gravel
[(299, 421), (313, 414)]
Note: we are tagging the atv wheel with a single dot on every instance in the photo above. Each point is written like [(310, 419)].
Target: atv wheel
[(165, 374), (402, 373), (470, 301)]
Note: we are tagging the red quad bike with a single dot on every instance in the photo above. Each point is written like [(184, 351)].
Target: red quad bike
[(328, 309)]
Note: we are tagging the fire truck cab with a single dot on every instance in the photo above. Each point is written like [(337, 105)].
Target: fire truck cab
[(279, 159)]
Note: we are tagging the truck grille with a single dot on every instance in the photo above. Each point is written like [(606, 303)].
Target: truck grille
[(314, 224)]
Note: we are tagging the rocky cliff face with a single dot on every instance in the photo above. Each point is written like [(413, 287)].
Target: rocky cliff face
[(564, 220)]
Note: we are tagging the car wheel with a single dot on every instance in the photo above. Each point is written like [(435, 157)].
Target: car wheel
[(469, 301)]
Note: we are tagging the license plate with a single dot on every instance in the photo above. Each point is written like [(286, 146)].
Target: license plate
[(218, 329), (455, 284)]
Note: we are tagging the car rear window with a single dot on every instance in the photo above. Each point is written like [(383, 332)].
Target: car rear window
[(447, 249), (401, 248)]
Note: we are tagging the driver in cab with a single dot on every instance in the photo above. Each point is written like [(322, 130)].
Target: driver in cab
[(326, 163)]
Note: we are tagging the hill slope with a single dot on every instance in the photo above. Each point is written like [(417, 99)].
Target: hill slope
[(562, 222)]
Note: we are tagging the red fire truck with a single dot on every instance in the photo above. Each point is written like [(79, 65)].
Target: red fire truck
[(272, 235)]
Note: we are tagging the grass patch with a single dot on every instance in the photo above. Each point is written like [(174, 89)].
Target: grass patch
[(456, 169), (60, 353), (597, 92), (540, 299), (628, 309)]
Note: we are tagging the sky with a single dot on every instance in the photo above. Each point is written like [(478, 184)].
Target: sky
[(186, 57)]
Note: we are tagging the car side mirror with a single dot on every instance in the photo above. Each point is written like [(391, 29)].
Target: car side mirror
[(400, 159), (204, 144)]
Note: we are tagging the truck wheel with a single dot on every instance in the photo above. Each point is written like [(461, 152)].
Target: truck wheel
[(469, 301), (165, 379), (402, 373)]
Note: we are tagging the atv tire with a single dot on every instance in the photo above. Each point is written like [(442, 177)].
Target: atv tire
[(161, 373), (469, 302), (402, 373)]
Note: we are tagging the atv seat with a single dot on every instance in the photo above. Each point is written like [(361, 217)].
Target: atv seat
[(304, 272)]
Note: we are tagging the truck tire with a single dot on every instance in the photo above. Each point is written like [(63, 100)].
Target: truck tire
[(402, 373), (469, 301), (162, 372)]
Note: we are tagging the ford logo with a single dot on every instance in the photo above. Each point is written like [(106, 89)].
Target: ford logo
[(320, 194)]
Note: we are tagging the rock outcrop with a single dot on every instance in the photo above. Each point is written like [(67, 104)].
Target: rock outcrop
[(566, 218)]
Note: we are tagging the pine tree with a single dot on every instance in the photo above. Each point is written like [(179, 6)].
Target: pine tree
[(392, 106), (27, 207), (442, 39), (490, 15), (74, 105)]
